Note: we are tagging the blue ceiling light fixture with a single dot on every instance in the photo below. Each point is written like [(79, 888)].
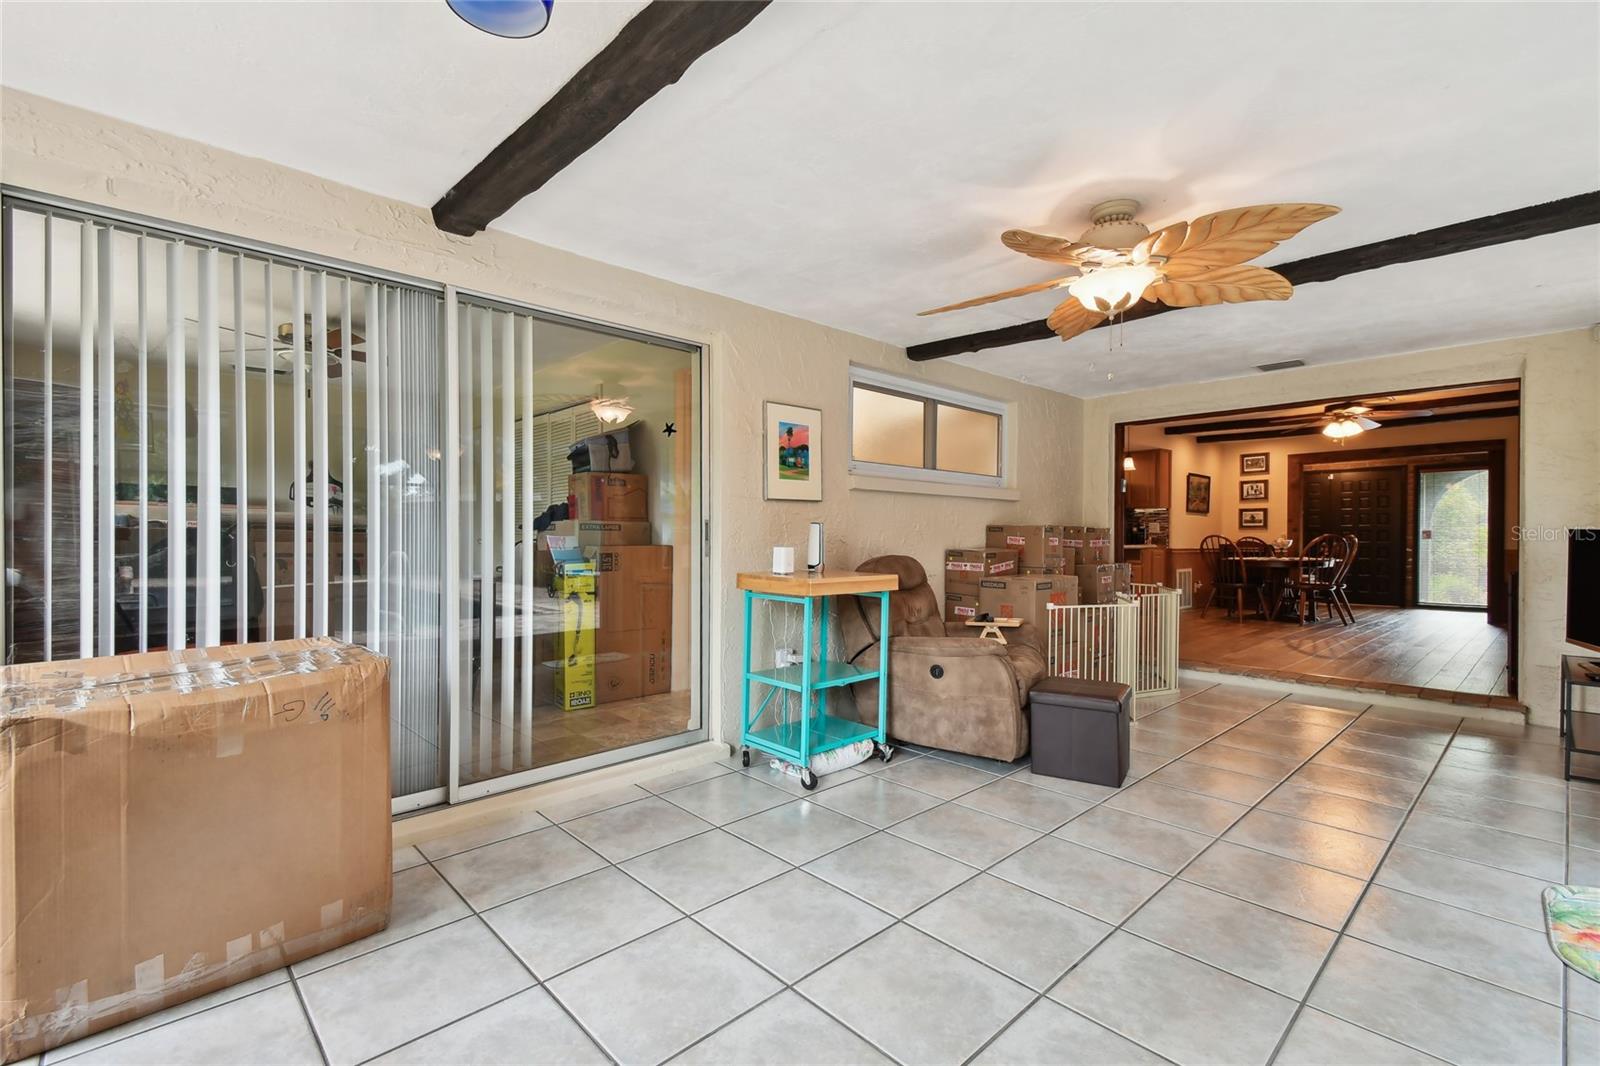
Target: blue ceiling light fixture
[(505, 18)]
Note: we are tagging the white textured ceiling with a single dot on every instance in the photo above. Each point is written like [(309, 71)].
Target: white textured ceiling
[(852, 163)]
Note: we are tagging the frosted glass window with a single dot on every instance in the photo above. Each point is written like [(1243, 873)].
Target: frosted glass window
[(887, 428), (967, 442)]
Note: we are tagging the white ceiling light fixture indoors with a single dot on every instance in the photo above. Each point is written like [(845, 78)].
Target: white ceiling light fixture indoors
[(610, 410), (1117, 261)]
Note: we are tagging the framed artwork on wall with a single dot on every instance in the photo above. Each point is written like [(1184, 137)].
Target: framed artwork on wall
[(791, 453), (1254, 463), (1252, 491), (1252, 518), (1197, 494)]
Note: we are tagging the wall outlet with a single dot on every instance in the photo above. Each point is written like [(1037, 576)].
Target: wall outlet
[(786, 657)]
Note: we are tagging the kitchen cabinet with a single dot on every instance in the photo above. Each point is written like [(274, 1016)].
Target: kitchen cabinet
[(1150, 480)]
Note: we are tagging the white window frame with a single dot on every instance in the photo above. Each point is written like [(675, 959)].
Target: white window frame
[(931, 394)]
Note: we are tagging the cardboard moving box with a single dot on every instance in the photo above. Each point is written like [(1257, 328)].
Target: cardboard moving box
[(961, 606), (609, 497), (968, 566), (1100, 582), (1091, 543), (594, 533), (176, 822), (1026, 597), (1036, 546)]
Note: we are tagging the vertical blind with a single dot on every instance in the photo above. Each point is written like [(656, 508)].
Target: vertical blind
[(206, 444)]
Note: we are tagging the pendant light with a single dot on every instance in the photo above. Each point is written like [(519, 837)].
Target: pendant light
[(505, 18)]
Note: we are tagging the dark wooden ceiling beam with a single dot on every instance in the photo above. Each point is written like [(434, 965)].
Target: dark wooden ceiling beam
[(1557, 216), (1393, 423), (652, 52), (1511, 396)]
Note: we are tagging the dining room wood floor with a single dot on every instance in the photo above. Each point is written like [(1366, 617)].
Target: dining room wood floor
[(1454, 656)]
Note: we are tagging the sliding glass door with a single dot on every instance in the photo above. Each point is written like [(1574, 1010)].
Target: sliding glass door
[(206, 443), (577, 568), (1453, 537)]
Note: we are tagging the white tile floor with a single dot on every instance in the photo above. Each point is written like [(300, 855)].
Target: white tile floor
[(1290, 880)]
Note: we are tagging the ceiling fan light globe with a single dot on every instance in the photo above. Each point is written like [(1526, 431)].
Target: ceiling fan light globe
[(1112, 288), (1343, 428), (611, 411)]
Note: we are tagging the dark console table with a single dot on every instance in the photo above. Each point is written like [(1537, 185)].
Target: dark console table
[(1580, 728)]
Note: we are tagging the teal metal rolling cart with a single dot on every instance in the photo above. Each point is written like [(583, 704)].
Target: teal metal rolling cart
[(812, 730)]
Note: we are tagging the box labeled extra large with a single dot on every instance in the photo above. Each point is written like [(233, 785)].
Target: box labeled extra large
[(176, 822), (609, 497), (1025, 596)]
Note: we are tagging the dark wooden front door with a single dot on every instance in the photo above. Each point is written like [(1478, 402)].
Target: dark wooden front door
[(1371, 503)]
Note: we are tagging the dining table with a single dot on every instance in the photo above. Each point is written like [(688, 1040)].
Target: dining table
[(1277, 570)]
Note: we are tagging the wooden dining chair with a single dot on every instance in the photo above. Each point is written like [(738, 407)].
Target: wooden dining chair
[(1228, 575), (1352, 545), (1311, 584), (1253, 547)]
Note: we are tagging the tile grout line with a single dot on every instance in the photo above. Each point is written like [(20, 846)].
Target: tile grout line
[(537, 983), (1118, 926), (1344, 926), (311, 1022)]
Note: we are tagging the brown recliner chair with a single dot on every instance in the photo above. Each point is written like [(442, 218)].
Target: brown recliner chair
[(947, 688)]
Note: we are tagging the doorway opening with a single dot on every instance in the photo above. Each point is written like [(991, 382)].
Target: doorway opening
[(1427, 491)]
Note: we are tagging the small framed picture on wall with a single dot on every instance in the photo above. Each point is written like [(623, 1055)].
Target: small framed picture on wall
[(1252, 491), (1254, 463), (1197, 494), (792, 452), (1252, 518)]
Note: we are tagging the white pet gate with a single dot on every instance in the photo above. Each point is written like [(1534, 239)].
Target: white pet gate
[(1133, 641)]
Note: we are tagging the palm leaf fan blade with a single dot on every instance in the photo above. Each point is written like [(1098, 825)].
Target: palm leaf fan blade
[(1226, 285), (1227, 238), (1071, 318), (1024, 290)]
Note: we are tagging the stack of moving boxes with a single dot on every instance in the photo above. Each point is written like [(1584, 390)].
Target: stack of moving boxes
[(1099, 579), (615, 589), (1018, 572)]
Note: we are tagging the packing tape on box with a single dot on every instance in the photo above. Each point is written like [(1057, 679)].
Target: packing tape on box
[(151, 974), (239, 947), (332, 913)]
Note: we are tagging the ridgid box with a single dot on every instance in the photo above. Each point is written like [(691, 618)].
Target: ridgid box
[(175, 822), (1027, 596), (1036, 546)]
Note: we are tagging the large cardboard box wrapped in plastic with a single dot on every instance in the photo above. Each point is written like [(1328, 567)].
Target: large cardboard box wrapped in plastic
[(175, 822)]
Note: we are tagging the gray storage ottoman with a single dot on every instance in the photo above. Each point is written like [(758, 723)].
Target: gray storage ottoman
[(1080, 729)]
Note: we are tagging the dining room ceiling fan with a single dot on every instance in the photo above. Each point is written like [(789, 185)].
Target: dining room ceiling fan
[(1340, 421), (1117, 261)]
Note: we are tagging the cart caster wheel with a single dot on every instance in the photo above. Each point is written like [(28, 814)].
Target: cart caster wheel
[(883, 751), (744, 756), (808, 780)]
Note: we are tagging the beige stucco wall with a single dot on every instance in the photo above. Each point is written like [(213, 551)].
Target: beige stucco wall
[(1559, 457), (753, 354)]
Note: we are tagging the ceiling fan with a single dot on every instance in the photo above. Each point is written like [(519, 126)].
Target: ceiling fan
[(1340, 421), (1117, 261)]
